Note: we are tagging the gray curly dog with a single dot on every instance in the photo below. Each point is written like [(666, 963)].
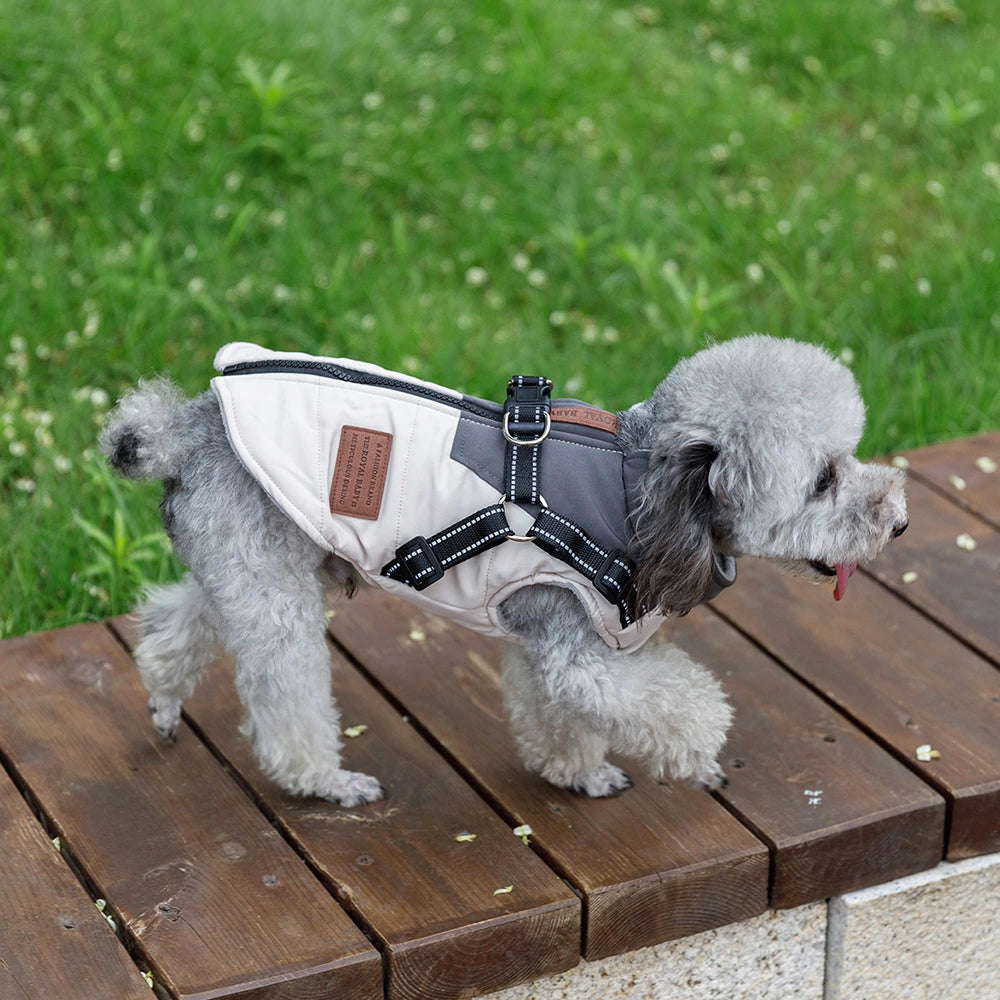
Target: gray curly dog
[(744, 449)]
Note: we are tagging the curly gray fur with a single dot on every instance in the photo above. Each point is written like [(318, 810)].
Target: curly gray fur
[(751, 454)]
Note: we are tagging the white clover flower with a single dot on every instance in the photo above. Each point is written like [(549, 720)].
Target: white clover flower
[(935, 189), (233, 181), (114, 160), (520, 262), (62, 464), (923, 287), (557, 317), (281, 294), (26, 485), (755, 273), (477, 276), (18, 449), (190, 252), (196, 286), (98, 398), (372, 101), (537, 277)]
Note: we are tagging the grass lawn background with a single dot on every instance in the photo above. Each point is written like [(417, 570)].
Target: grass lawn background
[(579, 188)]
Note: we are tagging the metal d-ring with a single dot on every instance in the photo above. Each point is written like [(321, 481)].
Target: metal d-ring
[(519, 538), (518, 441)]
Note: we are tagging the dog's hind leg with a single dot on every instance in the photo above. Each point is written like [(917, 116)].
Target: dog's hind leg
[(277, 635), (177, 640)]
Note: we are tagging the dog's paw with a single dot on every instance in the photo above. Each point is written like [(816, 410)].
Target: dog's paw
[(166, 714), (605, 781), (352, 788), (708, 776)]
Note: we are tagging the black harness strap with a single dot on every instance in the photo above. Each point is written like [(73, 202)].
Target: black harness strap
[(526, 422), (610, 571), (422, 561)]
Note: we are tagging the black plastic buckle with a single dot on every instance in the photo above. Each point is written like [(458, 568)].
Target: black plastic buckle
[(530, 394), (614, 577), (420, 567)]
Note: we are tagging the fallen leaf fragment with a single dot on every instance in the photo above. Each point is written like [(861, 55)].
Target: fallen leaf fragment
[(465, 838), (524, 832), (910, 576), (925, 752), (504, 891), (901, 462), (966, 542), (957, 481), (354, 731), (417, 636), (985, 464)]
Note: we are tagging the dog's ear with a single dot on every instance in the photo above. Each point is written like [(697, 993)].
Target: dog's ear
[(673, 542)]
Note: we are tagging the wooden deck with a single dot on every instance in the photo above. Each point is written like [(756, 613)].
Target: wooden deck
[(222, 886)]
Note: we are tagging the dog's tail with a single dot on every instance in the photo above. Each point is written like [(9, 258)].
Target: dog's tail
[(140, 436)]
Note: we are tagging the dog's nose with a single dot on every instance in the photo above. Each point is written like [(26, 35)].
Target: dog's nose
[(900, 528)]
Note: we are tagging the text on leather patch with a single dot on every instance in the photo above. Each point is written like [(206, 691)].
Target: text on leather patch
[(588, 416), (359, 475)]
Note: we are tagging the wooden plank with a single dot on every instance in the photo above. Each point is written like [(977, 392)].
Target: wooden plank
[(956, 586), (904, 679), (956, 470), (656, 863), (218, 902), (838, 812), (427, 898), (53, 942)]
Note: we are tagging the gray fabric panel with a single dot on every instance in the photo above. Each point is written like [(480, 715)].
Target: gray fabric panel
[(581, 475)]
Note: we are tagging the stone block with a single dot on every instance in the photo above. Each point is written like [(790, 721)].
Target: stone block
[(775, 956), (930, 935)]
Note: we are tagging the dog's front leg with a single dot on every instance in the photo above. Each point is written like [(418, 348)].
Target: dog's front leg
[(553, 742), (568, 694)]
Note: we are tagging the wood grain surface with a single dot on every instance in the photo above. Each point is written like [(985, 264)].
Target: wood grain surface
[(903, 679), (196, 876), (54, 944), (427, 898), (838, 812), (956, 586), (656, 863), (967, 471)]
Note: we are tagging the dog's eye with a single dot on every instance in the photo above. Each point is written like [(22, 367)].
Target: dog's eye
[(825, 479)]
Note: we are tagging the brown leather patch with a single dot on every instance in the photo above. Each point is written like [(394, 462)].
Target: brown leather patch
[(588, 416), (359, 475)]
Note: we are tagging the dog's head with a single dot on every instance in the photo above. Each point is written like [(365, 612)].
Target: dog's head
[(754, 456)]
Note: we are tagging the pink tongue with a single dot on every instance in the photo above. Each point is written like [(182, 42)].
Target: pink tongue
[(844, 572)]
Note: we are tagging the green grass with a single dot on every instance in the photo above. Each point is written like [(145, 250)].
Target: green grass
[(576, 187)]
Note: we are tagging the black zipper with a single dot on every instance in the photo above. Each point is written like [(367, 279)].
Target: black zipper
[(341, 374)]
